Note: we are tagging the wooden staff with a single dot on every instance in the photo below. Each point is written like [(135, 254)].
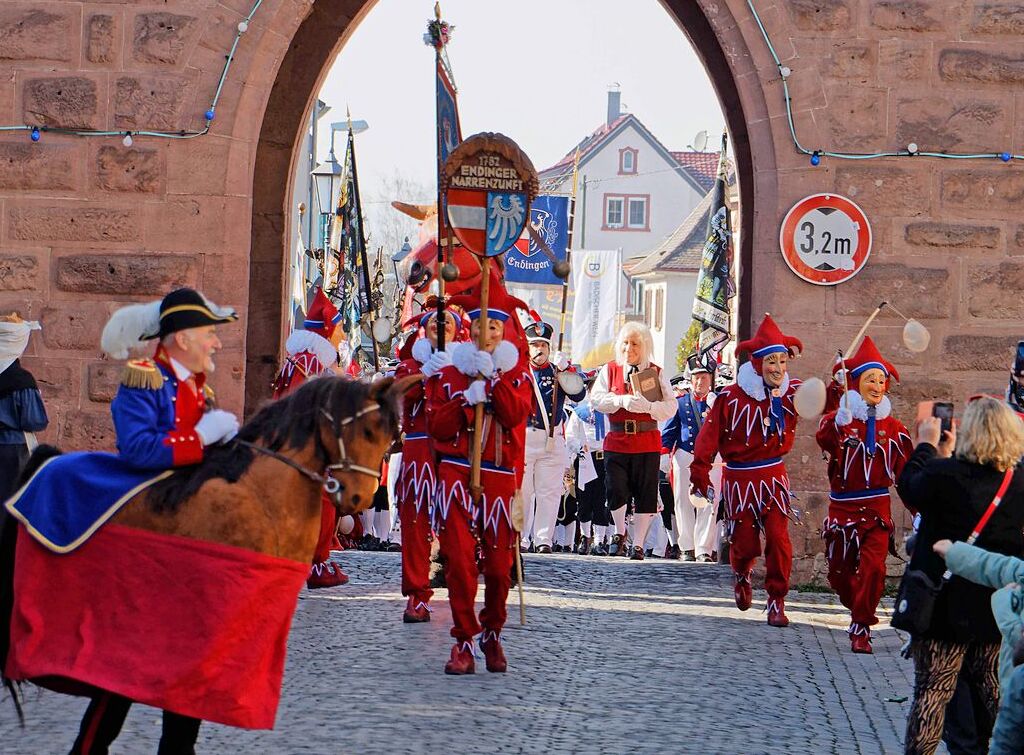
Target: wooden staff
[(864, 327), (441, 211)]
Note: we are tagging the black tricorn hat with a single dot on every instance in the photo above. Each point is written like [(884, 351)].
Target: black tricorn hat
[(186, 308), (539, 331)]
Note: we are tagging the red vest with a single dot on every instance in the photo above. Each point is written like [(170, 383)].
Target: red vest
[(619, 441)]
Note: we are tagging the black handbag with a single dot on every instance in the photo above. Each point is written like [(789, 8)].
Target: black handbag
[(915, 600)]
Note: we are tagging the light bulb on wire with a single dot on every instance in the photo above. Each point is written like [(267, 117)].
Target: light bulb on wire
[(128, 141)]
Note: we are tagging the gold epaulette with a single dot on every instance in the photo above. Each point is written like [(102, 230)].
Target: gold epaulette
[(142, 373), (208, 392)]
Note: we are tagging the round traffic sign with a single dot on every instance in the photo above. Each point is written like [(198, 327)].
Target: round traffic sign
[(825, 239)]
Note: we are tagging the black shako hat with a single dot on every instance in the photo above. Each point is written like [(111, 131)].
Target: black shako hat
[(186, 308), (695, 364), (539, 331)]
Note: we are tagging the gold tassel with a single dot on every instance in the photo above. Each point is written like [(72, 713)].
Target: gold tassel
[(142, 373)]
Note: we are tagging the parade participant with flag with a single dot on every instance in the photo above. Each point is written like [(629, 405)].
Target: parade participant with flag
[(695, 518), (416, 481), (866, 448), (752, 425), (496, 377), (312, 351), (636, 396), (546, 456)]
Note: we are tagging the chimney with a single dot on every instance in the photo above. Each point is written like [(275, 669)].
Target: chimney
[(614, 105)]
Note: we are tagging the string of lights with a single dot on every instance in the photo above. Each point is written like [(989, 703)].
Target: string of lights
[(128, 136), (911, 149)]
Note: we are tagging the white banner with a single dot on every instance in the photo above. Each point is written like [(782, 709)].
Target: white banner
[(596, 276)]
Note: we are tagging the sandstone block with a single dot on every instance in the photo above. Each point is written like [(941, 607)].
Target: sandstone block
[(851, 60), (991, 18), (136, 170), (952, 235), (28, 33), (914, 388), (820, 15), (920, 292), (908, 15), (945, 124), (127, 274), (66, 101), (980, 66), (100, 46), (999, 190), (19, 272), (29, 167), (978, 353), (104, 380), (87, 431), (899, 60), (891, 190), (162, 37), (75, 325), (150, 102), (994, 290), (857, 118), (57, 378), (73, 224)]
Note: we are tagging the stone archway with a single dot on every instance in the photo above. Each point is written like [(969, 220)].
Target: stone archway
[(714, 34)]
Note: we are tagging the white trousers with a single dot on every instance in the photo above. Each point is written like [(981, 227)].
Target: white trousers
[(394, 464), (697, 530), (546, 463)]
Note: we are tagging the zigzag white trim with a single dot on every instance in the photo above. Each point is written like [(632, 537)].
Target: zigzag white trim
[(887, 450), (756, 494), (416, 484)]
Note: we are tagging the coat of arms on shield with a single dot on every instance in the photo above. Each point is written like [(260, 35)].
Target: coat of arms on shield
[(489, 184)]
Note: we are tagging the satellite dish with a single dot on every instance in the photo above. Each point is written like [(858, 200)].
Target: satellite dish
[(700, 141)]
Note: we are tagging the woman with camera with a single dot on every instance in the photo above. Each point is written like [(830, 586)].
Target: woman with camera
[(952, 492)]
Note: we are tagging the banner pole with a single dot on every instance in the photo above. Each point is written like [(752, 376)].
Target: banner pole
[(565, 288), (441, 209)]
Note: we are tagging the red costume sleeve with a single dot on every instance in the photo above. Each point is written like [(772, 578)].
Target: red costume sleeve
[(707, 445), (446, 416), (512, 398), (828, 436), (833, 393)]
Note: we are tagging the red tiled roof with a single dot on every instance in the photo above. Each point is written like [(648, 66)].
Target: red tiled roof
[(564, 166), (702, 165)]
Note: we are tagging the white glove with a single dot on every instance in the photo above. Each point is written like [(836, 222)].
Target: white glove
[(476, 393), (843, 416), (663, 463), (560, 360), (436, 362), (484, 363), (636, 404), (216, 425)]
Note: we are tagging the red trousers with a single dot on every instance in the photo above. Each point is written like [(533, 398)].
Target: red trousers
[(857, 541), (416, 538), (328, 527), (778, 551)]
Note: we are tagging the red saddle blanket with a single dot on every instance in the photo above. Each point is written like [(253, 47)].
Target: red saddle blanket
[(189, 626)]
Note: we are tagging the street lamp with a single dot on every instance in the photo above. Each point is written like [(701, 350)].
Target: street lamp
[(326, 176)]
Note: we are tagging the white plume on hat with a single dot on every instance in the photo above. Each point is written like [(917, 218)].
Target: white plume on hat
[(130, 328)]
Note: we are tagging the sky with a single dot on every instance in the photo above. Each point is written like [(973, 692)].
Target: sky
[(536, 70)]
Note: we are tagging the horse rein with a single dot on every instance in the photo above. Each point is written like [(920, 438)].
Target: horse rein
[(330, 485)]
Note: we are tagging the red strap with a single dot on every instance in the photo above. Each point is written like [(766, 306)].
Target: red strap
[(992, 506)]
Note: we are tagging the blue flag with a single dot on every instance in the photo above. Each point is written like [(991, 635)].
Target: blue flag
[(528, 264)]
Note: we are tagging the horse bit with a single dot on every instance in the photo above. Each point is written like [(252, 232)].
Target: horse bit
[(331, 486)]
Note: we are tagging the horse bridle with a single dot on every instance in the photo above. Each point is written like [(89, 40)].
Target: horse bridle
[(330, 485)]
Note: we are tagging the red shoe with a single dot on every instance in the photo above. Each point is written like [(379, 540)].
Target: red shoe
[(325, 574), (416, 614), (860, 639), (493, 652), (777, 613), (461, 661), (743, 591)]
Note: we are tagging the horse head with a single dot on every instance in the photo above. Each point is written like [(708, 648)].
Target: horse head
[(361, 438)]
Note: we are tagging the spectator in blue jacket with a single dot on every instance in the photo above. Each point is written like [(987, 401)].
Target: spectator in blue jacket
[(22, 413)]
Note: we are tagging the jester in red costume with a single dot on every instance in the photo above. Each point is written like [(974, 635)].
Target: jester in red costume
[(866, 448), (414, 488), (311, 353), (752, 425), (478, 530)]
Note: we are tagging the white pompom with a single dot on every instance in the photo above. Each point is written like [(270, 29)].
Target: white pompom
[(346, 524), (809, 398), (464, 357), (421, 350), (129, 327), (916, 336), (506, 356)]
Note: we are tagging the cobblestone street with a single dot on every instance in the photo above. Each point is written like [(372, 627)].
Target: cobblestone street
[(617, 657)]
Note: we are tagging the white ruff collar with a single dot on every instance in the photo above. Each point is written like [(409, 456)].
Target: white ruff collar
[(859, 407), (753, 384), (307, 340)]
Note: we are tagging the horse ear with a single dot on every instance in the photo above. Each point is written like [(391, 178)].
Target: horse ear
[(400, 385)]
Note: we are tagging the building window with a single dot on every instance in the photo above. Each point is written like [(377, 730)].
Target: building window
[(659, 309), (627, 212), (627, 161), (613, 212)]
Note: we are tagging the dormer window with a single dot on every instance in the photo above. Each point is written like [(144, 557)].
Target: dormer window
[(627, 161)]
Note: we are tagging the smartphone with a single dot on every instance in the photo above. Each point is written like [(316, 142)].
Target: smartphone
[(944, 411)]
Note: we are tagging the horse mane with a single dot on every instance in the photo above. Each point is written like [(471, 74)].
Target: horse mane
[(288, 422)]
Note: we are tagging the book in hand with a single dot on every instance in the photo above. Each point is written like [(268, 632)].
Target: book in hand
[(646, 383)]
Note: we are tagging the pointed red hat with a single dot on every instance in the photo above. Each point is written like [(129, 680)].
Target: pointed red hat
[(868, 357), (769, 339), (323, 316), (501, 305), (420, 322)]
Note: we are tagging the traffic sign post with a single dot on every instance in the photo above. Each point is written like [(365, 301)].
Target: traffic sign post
[(825, 239)]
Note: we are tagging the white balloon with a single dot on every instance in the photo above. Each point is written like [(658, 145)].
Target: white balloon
[(916, 336), (809, 399), (382, 329), (346, 524)]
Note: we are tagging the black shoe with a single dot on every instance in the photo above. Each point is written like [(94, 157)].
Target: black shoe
[(543, 549), (601, 549), (394, 547), (556, 548), (638, 554), (688, 556), (673, 553), (704, 558), (618, 546), (523, 549), (584, 548)]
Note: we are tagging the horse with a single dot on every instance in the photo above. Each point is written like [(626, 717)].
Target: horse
[(260, 492)]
